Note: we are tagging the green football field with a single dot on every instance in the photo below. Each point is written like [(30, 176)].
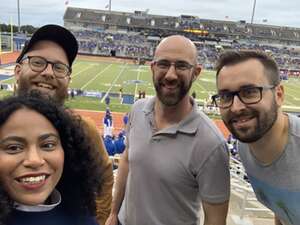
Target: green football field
[(108, 78)]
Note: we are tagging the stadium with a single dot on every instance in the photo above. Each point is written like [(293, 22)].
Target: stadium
[(116, 48)]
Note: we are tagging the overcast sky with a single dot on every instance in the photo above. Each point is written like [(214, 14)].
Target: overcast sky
[(275, 12)]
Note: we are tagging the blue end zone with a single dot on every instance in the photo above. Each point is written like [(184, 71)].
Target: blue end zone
[(4, 77), (128, 99)]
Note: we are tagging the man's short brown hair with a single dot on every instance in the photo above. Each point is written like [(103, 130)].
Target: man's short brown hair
[(234, 57)]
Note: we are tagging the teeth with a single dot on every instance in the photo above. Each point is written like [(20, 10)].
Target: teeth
[(32, 180), (43, 85)]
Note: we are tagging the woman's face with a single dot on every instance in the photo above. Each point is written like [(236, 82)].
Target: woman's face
[(31, 157)]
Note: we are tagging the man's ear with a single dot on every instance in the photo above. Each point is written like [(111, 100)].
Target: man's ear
[(18, 71), (152, 65), (197, 71), (279, 94)]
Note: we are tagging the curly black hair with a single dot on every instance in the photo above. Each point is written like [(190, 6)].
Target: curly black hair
[(82, 177)]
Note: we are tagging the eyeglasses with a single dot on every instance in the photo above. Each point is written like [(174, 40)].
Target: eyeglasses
[(180, 66), (39, 64), (247, 95)]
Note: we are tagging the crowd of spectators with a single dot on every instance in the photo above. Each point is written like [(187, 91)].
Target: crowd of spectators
[(125, 34), (124, 45), (139, 19)]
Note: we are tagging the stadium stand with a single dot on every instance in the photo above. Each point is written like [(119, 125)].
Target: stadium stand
[(134, 35)]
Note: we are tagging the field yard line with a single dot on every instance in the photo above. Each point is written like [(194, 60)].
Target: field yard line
[(114, 81), (76, 64), (289, 102), (202, 87), (97, 111), (98, 74), (81, 71), (136, 85)]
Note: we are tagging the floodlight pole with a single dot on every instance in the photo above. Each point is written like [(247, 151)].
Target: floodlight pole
[(253, 11), (109, 6), (19, 27)]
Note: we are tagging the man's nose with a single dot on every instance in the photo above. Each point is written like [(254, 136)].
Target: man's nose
[(48, 71), (237, 104), (171, 73)]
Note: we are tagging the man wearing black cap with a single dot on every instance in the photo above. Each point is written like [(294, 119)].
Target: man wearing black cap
[(50, 45), (45, 65)]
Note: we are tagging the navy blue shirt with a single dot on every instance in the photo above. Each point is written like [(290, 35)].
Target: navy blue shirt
[(56, 216)]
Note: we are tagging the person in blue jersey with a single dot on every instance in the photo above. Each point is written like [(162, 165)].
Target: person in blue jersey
[(108, 124), (250, 97), (109, 145), (49, 173), (120, 143)]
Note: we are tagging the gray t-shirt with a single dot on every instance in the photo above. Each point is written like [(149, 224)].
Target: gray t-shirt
[(277, 185), (171, 170)]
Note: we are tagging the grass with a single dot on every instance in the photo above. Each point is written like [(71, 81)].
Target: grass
[(109, 77)]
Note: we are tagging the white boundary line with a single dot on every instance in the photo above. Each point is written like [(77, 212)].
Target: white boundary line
[(84, 69), (136, 85), (96, 111), (94, 78), (114, 81), (201, 86)]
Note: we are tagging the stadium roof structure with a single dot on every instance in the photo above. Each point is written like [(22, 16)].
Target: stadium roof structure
[(139, 20)]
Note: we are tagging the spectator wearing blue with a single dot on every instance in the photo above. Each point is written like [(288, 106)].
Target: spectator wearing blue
[(120, 143), (125, 120), (110, 145), (107, 124)]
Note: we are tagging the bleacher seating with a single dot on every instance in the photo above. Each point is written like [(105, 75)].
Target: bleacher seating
[(135, 35)]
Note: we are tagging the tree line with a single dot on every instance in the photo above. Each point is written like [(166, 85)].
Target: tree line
[(26, 29)]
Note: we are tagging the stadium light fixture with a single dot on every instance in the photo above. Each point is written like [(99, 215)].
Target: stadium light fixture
[(18, 5), (253, 11)]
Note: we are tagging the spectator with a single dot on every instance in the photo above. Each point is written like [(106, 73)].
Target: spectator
[(250, 97), (110, 145), (107, 124), (56, 46), (42, 158), (125, 120), (120, 143), (169, 160)]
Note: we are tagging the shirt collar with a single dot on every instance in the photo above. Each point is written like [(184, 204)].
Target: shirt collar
[(55, 200), (187, 125)]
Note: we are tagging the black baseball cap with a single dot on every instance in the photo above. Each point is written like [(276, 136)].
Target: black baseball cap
[(57, 34)]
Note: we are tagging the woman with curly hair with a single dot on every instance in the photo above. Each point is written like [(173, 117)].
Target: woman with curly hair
[(48, 172)]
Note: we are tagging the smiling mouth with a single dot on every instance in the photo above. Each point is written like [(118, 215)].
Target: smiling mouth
[(169, 86), (45, 86), (240, 121), (32, 179)]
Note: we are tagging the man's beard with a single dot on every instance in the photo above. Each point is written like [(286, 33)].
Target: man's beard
[(264, 122), (174, 98), (24, 88)]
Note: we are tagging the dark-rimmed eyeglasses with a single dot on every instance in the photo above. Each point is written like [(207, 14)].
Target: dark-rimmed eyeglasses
[(39, 64), (180, 65), (247, 95)]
